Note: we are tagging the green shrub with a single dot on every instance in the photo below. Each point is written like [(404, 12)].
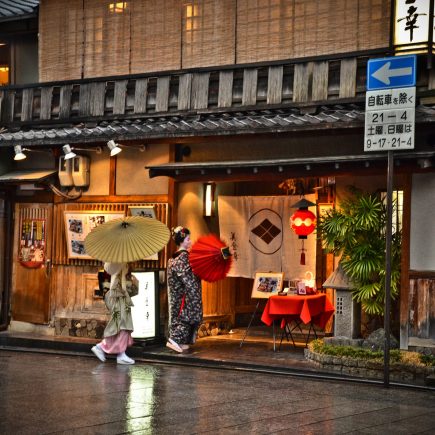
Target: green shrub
[(396, 355)]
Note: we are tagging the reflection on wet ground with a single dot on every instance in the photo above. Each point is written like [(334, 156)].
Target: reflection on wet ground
[(48, 393)]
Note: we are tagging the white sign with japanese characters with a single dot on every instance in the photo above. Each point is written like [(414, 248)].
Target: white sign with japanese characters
[(411, 22), (390, 119)]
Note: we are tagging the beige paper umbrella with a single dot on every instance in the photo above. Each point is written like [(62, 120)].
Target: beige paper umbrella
[(127, 239)]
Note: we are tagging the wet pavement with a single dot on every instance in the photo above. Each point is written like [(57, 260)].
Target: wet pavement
[(62, 394)]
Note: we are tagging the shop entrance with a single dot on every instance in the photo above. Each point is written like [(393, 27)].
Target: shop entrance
[(31, 263)]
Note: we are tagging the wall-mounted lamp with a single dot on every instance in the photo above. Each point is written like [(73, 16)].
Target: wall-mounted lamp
[(208, 201), (114, 148), (69, 154), (20, 152), (19, 155)]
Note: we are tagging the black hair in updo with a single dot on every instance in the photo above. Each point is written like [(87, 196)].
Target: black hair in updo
[(179, 234)]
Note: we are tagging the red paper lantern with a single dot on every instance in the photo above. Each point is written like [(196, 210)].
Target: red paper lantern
[(303, 222)]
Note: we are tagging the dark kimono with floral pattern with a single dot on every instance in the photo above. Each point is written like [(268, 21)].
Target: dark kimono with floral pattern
[(184, 298)]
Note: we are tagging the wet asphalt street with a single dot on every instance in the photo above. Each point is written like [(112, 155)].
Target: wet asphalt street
[(49, 393)]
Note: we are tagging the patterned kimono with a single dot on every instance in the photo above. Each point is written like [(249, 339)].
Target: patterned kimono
[(117, 334), (184, 298)]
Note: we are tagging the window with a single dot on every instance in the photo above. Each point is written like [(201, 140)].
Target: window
[(4, 64), (118, 7), (397, 209), (192, 21)]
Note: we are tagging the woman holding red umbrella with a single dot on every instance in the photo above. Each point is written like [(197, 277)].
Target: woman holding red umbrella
[(184, 294)]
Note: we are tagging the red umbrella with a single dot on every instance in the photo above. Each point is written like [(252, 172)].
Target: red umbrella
[(210, 258)]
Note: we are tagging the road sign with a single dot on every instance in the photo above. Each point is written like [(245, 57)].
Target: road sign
[(390, 119), (391, 72)]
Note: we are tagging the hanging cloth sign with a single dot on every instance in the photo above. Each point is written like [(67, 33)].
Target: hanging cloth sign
[(32, 243)]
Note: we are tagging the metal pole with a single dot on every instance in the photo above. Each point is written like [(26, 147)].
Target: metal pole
[(388, 269)]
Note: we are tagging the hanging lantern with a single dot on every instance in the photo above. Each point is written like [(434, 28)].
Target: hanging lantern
[(303, 222)]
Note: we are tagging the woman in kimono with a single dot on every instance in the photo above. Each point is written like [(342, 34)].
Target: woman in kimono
[(117, 334), (184, 295)]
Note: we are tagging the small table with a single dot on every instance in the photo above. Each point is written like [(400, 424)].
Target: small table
[(309, 309)]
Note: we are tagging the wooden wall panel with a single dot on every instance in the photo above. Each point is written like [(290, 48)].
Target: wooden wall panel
[(218, 299), (60, 255), (208, 33)]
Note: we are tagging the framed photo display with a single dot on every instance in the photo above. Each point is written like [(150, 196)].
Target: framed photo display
[(144, 211), (267, 284), (78, 224)]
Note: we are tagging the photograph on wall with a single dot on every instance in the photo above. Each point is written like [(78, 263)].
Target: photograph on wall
[(78, 224), (32, 243), (267, 284), (145, 211)]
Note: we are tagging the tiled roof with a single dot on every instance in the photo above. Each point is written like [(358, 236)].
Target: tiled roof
[(207, 124), (10, 9), (188, 125)]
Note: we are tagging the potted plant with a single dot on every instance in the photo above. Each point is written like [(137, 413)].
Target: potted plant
[(356, 231)]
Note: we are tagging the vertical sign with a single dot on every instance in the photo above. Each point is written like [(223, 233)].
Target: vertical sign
[(144, 310)]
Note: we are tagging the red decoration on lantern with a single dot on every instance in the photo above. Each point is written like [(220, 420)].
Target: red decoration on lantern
[(303, 222)]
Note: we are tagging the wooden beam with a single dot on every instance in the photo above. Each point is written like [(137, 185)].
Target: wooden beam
[(274, 84), (225, 94), (302, 82), (250, 78), (46, 100), (27, 104), (320, 81), (140, 96), (348, 78), (200, 83), (184, 91), (98, 93), (119, 97), (65, 101), (162, 94)]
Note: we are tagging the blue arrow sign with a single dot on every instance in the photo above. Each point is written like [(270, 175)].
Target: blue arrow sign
[(391, 72)]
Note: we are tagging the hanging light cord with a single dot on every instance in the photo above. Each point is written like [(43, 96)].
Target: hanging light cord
[(58, 192)]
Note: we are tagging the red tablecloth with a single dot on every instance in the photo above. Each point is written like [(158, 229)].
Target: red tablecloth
[(313, 308)]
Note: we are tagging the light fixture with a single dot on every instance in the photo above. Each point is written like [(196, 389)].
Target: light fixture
[(114, 148), (303, 222), (19, 155), (69, 154), (208, 200)]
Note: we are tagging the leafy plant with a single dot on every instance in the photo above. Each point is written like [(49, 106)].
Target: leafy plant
[(396, 355), (357, 232)]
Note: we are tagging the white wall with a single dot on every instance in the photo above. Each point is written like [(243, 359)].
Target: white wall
[(131, 176), (422, 249)]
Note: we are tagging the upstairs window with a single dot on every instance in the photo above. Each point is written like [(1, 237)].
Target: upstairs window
[(4, 64), (118, 7)]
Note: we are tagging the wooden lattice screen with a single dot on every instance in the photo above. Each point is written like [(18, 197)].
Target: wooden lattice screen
[(107, 38), (60, 254), (208, 33), (60, 40), (155, 35), (285, 29)]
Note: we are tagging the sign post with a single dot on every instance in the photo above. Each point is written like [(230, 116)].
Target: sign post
[(390, 126)]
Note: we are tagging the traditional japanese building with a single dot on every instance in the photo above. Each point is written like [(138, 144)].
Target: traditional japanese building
[(259, 98)]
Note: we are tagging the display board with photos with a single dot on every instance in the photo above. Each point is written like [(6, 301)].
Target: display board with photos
[(267, 284), (147, 211), (78, 224)]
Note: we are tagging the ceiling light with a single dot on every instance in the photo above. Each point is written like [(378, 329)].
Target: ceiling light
[(114, 148), (19, 155), (68, 152)]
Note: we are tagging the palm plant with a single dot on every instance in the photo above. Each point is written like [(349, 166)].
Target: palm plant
[(356, 231)]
